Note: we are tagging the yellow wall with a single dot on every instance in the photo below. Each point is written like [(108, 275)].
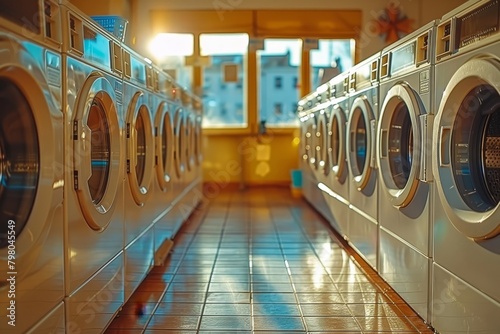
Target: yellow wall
[(243, 159)]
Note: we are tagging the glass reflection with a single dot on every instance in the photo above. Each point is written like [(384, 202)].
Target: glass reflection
[(400, 145), (165, 140), (19, 160), (335, 142), (475, 149), (100, 150), (360, 142), (140, 167)]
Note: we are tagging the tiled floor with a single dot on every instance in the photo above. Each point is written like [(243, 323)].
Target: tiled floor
[(260, 261)]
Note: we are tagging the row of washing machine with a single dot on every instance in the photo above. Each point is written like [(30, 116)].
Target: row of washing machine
[(100, 163), (401, 154)]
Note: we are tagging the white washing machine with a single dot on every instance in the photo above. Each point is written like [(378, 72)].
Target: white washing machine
[(198, 141), (404, 148), (321, 142), (317, 148), (466, 295), (192, 197), (337, 183), (140, 211), (164, 145), (170, 187), (31, 168), (93, 172), (307, 159), (170, 222), (313, 113), (192, 156), (361, 161), (322, 115)]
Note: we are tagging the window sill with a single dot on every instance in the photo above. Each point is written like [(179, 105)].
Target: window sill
[(247, 131)]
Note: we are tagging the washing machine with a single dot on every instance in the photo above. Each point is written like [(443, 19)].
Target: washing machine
[(164, 139), (315, 127), (308, 134), (361, 161), (172, 218), (198, 141), (139, 140), (337, 182), (194, 156), (167, 185), (31, 162), (191, 198), (404, 135), (93, 171), (322, 138), (466, 296)]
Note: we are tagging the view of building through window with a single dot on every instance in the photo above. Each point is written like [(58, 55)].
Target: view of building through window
[(224, 81), (279, 69)]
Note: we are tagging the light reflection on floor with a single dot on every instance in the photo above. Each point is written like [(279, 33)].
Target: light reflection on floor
[(260, 261)]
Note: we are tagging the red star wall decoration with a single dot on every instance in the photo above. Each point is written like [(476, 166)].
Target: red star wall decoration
[(392, 24)]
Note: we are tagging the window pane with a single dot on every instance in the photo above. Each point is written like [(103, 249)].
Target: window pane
[(169, 51), (278, 77), (331, 58), (224, 81)]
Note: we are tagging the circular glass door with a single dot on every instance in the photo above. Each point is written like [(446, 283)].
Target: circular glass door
[(321, 144), (359, 142), (97, 152), (188, 147), (476, 158), (399, 144), (179, 143), (140, 148), (197, 141), (308, 148), (313, 153), (337, 143), (100, 151), (468, 163), (164, 145), (19, 161)]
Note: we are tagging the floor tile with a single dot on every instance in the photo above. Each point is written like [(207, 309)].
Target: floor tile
[(278, 323), (226, 323), (179, 309), (331, 323), (222, 297), (275, 309), (227, 309), (385, 324), (326, 310), (177, 322)]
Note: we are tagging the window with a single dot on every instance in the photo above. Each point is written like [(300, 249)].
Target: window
[(277, 82), (220, 101), (332, 57), (278, 109), (170, 51), (295, 83), (279, 62)]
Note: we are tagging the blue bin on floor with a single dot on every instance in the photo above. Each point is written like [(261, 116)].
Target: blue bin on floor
[(296, 175)]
